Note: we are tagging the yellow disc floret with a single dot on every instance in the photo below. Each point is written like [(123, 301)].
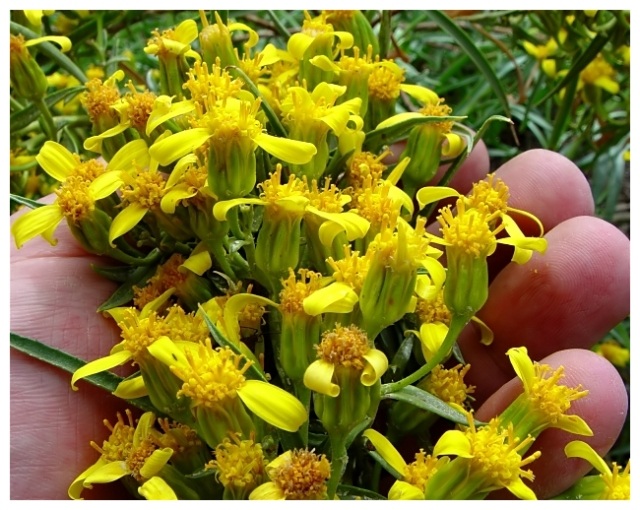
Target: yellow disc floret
[(345, 346), (468, 231), (303, 475), (448, 384), (239, 464), (489, 196), (295, 290)]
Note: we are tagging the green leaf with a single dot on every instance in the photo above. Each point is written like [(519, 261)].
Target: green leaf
[(31, 204), (254, 370), (474, 53), (352, 492), (60, 359), (52, 52), (26, 116), (589, 53), (278, 129), (424, 400), (391, 134), (282, 30), (384, 36), (563, 116), (387, 467)]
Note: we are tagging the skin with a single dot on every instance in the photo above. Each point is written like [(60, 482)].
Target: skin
[(558, 306)]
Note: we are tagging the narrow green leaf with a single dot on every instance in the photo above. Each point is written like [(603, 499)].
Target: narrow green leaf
[(589, 53), (352, 492), (31, 204), (22, 168), (282, 30), (52, 52), (107, 381), (384, 37), (254, 370), (278, 128), (563, 116), (474, 53), (21, 119), (424, 400), (390, 134)]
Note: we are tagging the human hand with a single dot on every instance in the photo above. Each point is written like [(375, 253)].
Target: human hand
[(557, 305)]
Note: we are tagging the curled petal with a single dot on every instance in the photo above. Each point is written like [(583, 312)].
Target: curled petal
[(143, 428), (585, 451), (155, 462), (518, 488), (298, 44), (107, 473), (422, 94), (220, 209), (337, 297), (100, 365), (405, 491), (37, 222), (486, 335), (453, 146), (253, 35), (430, 194), (232, 308), (76, 487), (290, 151), (126, 219), (94, 143), (131, 388), (164, 110), (453, 442), (60, 40), (174, 195), (432, 336), (274, 405), (353, 225), (386, 450), (318, 377), (156, 489), (325, 63), (522, 365), (377, 364)]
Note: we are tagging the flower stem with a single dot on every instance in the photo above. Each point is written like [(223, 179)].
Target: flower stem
[(458, 322), (339, 459)]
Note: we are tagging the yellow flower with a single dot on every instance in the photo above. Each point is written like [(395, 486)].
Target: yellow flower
[(613, 483), (155, 488), (413, 477), (295, 475), (614, 352), (215, 384), (83, 184), (129, 451), (174, 41), (601, 74), (488, 459), (544, 402)]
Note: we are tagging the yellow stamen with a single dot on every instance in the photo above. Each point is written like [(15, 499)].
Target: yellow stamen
[(140, 106), (303, 476), (489, 196), (434, 310), (384, 83), (240, 464), (438, 109), (468, 231), (448, 384), (366, 164), (418, 472), (352, 269), (294, 291), (120, 442), (344, 346), (146, 189), (74, 199), (138, 333), (328, 199), (208, 87), (99, 99)]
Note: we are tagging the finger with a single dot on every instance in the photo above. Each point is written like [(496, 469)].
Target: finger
[(604, 409), (570, 297)]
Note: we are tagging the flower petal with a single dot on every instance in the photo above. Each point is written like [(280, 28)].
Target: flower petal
[(486, 335), (179, 144), (386, 450), (37, 222), (131, 388), (60, 40), (398, 119), (574, 424), (164, 110), (220, 209), (133, 152), (274, 405), (405, 491), (156, 489), (352, 224), (377, 364), (76, 487), (267, 491), (453, 442), (422, 94), (585, 451), (186, 32), (317, 377), (290, 151), (199, 261), (94, 143), (100, 365), (167, 352), (430, 194), (126, 219), (174, 195), (432, 336), (105, 184), (522, 365), (453, 145), (56, 160), (108, 473), (155, 462), (337, 297), (232, 308)]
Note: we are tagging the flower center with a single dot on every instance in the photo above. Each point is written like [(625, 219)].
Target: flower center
[(418, 472), (167, 275), (489, 196), (345, 346), (146, 189), (99, 99), (448, 384), (352, 269), (384, 83), (138, 456), (468, 231), (618, 484), (373, 203), (549, 397), (120, 442), (239, 464), (294, 291), (304, 476), (433, 310), (328, 199), (438, 109), (212, 376), (138, 333), (74, 199), (208, 87), (366, 164), (140, 106), (272, 190), (188, 327)]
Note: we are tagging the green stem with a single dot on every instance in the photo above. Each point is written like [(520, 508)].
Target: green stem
[(458, 322), (47, 119), (339, 460)]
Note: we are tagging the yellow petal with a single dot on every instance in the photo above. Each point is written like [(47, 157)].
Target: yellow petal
[(453, 442), (56, 160), (584, 451), (405, 491), (143, 428), (398, 170), (36, 222), (155, 462), (180, 168), (131, 388), (167, 352), (126, 219), (174, 195), (453, 145), (298, 44), (198, 262), (290, 151), (430, 194), (432, 336), (154, 306), (76, 487), (522, 365), (398, 119), (253, 35), (105, 184), (377, 364), (177, 145), (337, 297), (186, 32), (94, 143), (574, 424), (606, 83), (108, 473), (486, 335), (133, 152), (164, 110), (317, 377), (232, 308), (100, 365), (325, 63), (353, 225), (386, 450), (436, 271), (273, 404), (156, 489), (518, 488), (220, 209), (267, 491), (422, 94), (60, 40)]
